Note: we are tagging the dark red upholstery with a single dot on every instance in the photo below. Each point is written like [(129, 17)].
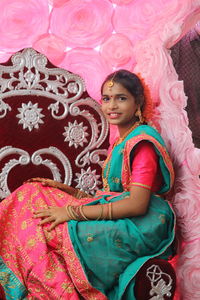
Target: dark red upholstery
[(43, 108)]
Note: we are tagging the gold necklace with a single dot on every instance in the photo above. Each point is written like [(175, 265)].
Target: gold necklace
[(108, 161)]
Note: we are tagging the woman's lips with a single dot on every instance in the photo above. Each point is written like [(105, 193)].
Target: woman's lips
[(114, 115)]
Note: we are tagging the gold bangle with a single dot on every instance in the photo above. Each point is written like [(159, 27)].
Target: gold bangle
[(101, 213), (82, 213), (110, 210), (71, 212)]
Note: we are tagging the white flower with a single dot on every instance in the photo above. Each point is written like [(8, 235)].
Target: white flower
[(75, 134), (88, 181), (30, 115)]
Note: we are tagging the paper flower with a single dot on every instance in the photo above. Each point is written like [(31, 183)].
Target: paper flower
[(4, 56), (89, 64), (118, 51), (51, 46), (21, 23), (83, 23), (57, 3), (121, 2), (136, 21)]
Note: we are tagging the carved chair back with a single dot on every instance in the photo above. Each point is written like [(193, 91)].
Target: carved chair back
[(49, 126)]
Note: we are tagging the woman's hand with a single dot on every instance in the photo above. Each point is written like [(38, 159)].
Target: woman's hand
[(53, 215), (47, 182)]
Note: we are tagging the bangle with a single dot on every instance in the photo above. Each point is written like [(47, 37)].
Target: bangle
[(110, 210), (101, 213), (77, 212), (71, 212), (82, 213)]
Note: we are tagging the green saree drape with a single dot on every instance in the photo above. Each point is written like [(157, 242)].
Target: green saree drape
[(113, 251)]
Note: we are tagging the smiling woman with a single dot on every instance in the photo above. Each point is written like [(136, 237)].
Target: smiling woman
[(81, 246)]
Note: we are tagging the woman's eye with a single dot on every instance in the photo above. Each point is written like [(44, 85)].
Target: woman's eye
[(105, 99), (122, 98)]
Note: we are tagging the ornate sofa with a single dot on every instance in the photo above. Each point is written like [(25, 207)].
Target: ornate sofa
[(50, 127)]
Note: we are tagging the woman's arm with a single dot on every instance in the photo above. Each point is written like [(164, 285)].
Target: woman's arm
[(135, 205), (61, 186)]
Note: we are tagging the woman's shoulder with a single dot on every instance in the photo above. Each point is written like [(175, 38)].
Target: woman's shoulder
[(146, 132)]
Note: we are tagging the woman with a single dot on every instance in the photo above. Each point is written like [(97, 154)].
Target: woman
[(56, 246)]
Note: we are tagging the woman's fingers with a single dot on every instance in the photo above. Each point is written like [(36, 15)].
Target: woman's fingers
[(53, 225), (47, 220)]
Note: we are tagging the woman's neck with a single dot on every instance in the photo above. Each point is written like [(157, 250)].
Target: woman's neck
[(124, 131)]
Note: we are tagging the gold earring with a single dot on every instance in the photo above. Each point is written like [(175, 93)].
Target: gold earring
[(138, 114)]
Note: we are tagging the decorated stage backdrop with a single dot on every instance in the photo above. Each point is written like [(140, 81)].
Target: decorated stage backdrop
[(95, 37)]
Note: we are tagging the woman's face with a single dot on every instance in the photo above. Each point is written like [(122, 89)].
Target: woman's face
[(118, 105)]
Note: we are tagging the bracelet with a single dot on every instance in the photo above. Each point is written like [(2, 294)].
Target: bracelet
[(76, 210), (71, 212), (110, 210), (82, 213), (101, 213)]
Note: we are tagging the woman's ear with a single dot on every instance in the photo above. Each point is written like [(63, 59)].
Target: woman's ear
[(140, 102)]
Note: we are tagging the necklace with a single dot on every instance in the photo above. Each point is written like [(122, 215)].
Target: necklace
[(108, 160)]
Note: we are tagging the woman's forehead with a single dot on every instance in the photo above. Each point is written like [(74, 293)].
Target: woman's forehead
[(116, 88)]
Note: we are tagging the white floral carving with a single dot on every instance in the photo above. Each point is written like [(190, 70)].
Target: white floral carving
[(159, 287), (30, 116), (3, 108), (75, 134), (87, 181), (73, 87)]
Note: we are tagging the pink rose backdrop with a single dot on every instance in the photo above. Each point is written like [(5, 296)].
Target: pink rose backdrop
[(95, 37)]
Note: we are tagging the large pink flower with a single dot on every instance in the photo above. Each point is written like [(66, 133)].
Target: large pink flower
[(83, 23), (118, 51), (21, 23), (121, 2), (4, 56), (90, 66), (136, 20), (51, 46), (57, 3)]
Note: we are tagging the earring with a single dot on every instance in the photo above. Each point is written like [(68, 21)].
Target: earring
[(138, 114)]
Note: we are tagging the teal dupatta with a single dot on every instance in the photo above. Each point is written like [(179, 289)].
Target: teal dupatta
[(112, 251)]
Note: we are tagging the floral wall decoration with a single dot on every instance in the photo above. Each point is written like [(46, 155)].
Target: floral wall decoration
[(95, 37)]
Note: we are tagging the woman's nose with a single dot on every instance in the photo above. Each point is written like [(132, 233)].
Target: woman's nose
[(112, 103)]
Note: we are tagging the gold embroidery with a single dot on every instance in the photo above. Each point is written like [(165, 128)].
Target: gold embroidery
[(162, 218), (69, 288), (118, 243), (49, 275), (140, 184), (115, 180), (90, 238), (20, 196), (31, 243), (4, 278), (23, 225)]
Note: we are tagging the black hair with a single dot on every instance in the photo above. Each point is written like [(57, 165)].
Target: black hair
[(129, 81)]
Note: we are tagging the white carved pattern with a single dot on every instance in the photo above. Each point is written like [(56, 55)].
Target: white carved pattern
[(30, 116), (159, 287), (3, 108), (36, 159), (99, 132), (75, 134), (29, 76), (87, 181)]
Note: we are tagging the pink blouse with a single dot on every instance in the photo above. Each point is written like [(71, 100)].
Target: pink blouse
[(146, 172)]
